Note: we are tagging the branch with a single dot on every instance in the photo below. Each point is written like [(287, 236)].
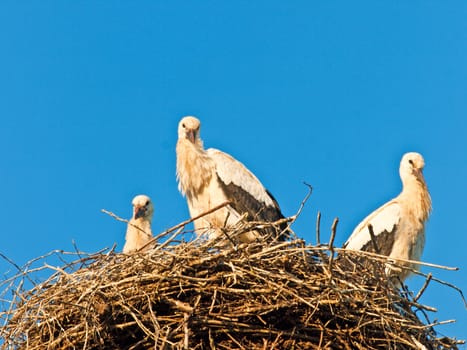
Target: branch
[(318, 224), (184, 223), (373, 239)]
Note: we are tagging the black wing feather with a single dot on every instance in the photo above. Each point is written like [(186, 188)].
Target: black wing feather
[(244, 202)]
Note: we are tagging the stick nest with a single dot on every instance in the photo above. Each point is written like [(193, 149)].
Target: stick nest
[(195, 295)]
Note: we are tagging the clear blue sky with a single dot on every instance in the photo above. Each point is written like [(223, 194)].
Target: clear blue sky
[(327, 92)]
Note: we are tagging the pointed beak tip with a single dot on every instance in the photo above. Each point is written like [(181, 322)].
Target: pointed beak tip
[(139, 212), (419, 175), (190, 135)]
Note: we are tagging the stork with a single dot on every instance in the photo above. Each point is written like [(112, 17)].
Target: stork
[(210, 177), (399, 225), (139, 232)]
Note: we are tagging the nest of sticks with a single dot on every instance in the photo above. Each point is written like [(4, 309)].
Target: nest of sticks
[(198, 294)]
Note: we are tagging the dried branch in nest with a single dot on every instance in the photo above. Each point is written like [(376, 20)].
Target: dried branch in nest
[(196, 295)]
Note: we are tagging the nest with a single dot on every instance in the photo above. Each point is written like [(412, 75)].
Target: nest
[(200, 295)]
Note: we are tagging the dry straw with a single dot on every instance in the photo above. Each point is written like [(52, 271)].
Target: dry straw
[(215, 295)]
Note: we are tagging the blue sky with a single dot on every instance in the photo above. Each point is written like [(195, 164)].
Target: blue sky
[(329, 92)]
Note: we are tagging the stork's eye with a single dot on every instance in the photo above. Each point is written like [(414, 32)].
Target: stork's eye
[(411, 162), (183, 125)]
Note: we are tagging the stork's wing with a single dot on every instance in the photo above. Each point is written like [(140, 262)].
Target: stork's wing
[(385, 221), (243, 189)]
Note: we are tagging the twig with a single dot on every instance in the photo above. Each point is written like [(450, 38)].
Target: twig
[(331, 243), (76, 248), (116, 217), (387, 259), (446, 284), (302, 204), (318, 224), (373, 238), (425, 285), (166, 243), (22, 271), (186, 222), (333, 234), (225, 228)]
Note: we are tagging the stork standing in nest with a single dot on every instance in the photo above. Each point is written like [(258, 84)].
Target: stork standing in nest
[(139, 231), (399, 225), (210, 177)]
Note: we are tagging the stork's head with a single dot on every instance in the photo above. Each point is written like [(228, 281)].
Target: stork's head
[(188, 128), (142, 207), (412, 164)]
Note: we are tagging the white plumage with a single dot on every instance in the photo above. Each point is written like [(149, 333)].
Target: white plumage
[(139, 231), (398, 225), (210, 177)]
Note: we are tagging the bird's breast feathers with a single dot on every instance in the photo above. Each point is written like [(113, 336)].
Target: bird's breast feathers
[(195, 169)]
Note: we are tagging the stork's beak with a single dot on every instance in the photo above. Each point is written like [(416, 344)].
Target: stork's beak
[(419, 175), (140, 212), (191, 135)]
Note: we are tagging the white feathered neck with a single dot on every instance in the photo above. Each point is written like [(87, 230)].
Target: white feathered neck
[(194, 167)]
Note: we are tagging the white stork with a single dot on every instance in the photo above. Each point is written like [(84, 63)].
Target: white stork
[(139, 232), (210, 177), (398, 225)]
